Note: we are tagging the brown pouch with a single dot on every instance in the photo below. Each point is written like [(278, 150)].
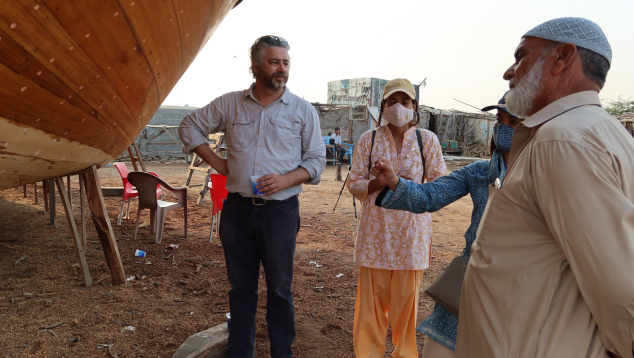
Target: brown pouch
[(447, 289)]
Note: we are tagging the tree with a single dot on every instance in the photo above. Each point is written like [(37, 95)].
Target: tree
[(619, 106)]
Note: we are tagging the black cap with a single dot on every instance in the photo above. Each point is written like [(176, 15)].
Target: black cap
[(501, 105)]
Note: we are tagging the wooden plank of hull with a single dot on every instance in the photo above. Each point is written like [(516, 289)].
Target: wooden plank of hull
[(91, 73), (28, 155), (155, 25)]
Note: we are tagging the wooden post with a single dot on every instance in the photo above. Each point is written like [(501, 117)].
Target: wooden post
[(70, 196), (45, 194), (82, 200), (51, 201), (338, 172), (35, 192), (24, 190), (79, 246), (102, 224)]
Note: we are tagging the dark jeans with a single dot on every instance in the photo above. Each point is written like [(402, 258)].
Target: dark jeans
[(251, 234), (340, 152)]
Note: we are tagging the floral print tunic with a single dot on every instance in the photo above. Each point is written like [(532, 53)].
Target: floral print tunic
[(394, 239)]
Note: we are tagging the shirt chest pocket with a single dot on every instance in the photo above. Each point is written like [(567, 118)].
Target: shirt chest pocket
[(284, 134), (241, 132)]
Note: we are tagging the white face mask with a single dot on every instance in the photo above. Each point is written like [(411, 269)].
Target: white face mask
[(398, 115)]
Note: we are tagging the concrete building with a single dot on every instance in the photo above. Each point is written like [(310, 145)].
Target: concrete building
[(358, 91)]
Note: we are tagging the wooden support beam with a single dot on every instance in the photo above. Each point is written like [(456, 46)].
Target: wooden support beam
[(338, 172), (70, 195), (35, 192), (102, 224), (79, 245), (51, 201), (45, 194), (82, 200), (112, 191)]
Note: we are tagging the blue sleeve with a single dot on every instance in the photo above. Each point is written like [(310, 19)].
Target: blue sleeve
[(427, 197)]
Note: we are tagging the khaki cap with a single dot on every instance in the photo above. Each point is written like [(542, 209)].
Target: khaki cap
[(399, 85)]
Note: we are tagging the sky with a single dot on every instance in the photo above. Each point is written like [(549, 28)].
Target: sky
[(461, 48)]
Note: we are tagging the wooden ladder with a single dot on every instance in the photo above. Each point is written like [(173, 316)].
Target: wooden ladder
[(134, 159), (198, 164)]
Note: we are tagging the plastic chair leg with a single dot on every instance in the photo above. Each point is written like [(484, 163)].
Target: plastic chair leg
[(120, 213), (136, 227), (152, 221), (185, 219), (127, 216), (218, 223), (211, 232), (160, 222)]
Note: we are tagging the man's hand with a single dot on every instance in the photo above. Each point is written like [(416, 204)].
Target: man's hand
[(272, 183), (384, 173)]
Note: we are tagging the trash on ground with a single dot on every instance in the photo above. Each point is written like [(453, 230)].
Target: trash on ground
[(172, 246), (127, 329), (339, 275), (319, 289), (316, 264), (102, 346), (20, 260), (131, 278), (139, 253)]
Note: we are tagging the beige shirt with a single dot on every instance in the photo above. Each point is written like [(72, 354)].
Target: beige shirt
[(551, 273)]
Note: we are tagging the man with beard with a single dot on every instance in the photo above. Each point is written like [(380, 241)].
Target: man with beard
[(550, 273), (273, 136)]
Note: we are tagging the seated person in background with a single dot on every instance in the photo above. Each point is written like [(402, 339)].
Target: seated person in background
[(441, 327), (340, 151)]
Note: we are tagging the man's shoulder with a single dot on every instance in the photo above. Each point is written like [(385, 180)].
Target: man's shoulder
[(588, 127), (298, 102), (579, 123)]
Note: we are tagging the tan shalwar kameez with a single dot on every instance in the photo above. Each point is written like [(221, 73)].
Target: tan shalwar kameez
[(551, 273)]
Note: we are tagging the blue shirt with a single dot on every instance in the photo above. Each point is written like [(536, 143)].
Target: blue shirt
[(474, 179)]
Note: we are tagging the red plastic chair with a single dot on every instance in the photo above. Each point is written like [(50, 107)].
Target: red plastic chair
[(218, 191), (146, 184), (128, 190)]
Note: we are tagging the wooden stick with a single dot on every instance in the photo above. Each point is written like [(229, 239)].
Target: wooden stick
[(35, 192), (45, 194), (51, 201), (82, 199), (102, 224), (79, 247), (132, 159), (138, 155), (70, 196)]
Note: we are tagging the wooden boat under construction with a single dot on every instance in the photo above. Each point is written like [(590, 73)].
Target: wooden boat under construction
[(79, 79)]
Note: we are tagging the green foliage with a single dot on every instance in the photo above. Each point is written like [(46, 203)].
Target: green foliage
[(619, 106)]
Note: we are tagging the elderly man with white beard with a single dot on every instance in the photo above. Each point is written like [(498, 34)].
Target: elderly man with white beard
[(551, 270)]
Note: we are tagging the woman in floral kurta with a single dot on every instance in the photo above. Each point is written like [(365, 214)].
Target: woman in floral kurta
[(393, 247)]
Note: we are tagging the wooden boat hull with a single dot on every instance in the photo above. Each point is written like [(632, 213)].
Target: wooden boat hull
[(80, 79)]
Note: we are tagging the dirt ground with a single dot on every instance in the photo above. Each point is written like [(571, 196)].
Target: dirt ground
[(179, 292)]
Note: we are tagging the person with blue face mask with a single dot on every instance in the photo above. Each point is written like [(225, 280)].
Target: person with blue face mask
[(441, 327)]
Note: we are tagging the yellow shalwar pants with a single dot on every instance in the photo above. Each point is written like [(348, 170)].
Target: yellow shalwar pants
[(380, 292)]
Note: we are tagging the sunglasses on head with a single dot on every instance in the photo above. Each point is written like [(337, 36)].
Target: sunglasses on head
[(273, 40)]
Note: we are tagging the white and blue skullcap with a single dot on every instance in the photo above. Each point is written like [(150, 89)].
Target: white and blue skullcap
[(581, 32)]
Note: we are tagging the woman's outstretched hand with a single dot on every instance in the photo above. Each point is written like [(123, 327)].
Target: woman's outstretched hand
[(384, 173)]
